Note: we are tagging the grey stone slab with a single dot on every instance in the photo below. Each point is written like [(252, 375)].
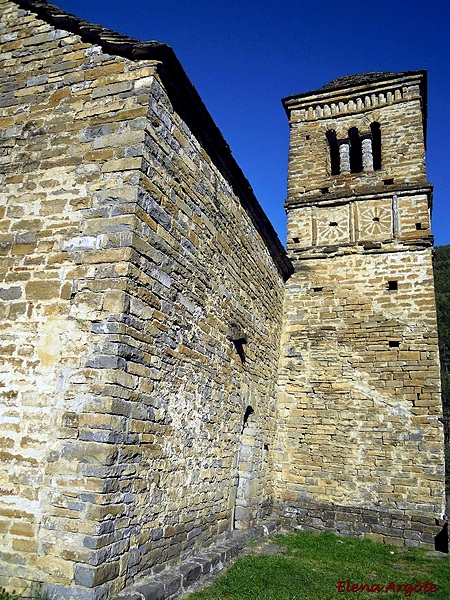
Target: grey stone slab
[(191, 572), (172, 581), (151, 591)]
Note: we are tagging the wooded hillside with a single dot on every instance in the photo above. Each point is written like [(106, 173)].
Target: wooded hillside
[(442, 287), (442, 284)]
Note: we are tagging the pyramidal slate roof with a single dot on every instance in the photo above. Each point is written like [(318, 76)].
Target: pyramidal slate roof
[(363, 79), (355, 80), (186, 102)]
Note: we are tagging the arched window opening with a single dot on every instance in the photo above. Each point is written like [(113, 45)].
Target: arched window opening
[(376, 145), (248, 411), (334, 151), (356, 165)]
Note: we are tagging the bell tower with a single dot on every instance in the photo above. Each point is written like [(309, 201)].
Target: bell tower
[(357, 162), (359, 385)]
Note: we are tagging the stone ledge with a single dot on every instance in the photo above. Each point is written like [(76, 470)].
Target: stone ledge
[(170, 584)]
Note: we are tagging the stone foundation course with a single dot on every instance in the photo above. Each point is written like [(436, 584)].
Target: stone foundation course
[(202, 567), (395, 527)]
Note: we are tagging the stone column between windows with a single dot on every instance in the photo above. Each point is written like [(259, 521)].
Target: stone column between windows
[(344, 157), (367, 154)]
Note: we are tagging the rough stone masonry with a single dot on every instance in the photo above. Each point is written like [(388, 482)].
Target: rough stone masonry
[(169, 373), (359, 379)]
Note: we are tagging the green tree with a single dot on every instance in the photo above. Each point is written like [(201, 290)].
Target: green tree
[(442, 289)]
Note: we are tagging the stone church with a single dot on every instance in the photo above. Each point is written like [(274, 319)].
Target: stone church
[(171, 375)]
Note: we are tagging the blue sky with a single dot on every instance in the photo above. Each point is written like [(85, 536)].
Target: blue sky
[(244, 56)]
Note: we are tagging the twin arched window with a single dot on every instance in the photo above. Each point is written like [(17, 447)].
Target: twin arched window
[(357, 152)]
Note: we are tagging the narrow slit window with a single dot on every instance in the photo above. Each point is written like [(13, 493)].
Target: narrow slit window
[(248, 412), (394, 344), (376, 145), (388, 181), (392, 285), (334, 152), (356, 165)]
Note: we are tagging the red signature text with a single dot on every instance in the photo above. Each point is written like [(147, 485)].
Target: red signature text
[(346, 585)]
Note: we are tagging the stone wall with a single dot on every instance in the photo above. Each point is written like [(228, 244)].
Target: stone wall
[(146, 409), (142, 297), (359, 414), (358, 427)]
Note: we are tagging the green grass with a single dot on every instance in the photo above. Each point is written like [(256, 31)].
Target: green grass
[(33, 594), (4, 595), (313, 564)]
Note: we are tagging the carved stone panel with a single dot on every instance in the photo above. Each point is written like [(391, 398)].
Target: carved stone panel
[(374, 220), (333, 225)]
